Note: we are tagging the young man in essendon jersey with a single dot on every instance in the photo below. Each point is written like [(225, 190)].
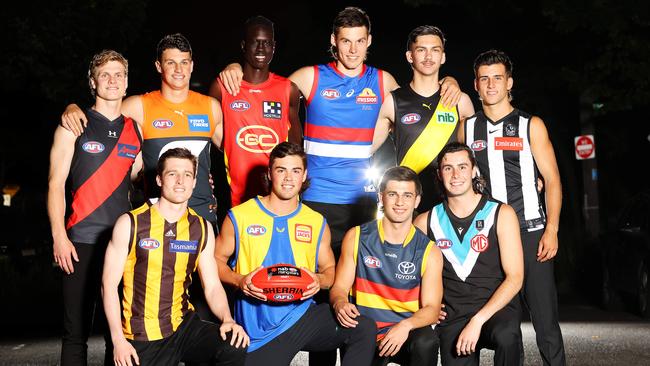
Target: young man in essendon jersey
[(513, 149), (262, 115), (393, 274), (153, 252), (99, 164), (483, 265)]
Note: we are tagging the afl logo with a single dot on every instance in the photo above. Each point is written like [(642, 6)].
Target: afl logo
[(443, 243), (283, 297), (330, 94), (371, 262), (479, 145), (93, 147), (411, 118), (163, 124), (239, 105), (257, 139), (256, 230), (149, 244)]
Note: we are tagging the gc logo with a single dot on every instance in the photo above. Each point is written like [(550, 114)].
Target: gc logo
[(257, 139), (406, 268)]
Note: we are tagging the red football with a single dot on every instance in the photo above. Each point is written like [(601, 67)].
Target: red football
[(282, 282)]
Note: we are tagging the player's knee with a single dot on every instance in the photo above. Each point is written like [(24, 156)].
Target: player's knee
[(231, 353), (366, 328), (507, 338), (424, 343)]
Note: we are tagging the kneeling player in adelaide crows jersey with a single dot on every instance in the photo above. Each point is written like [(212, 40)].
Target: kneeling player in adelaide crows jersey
[(153, 252), (483, 265)]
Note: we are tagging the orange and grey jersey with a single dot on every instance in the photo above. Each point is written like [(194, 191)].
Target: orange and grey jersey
[(169, 125), (423, 126), (157, 273), (388, 275)]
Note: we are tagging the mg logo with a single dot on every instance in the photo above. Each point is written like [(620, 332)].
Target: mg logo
[(257, 139), (406, 268), (479, 243)]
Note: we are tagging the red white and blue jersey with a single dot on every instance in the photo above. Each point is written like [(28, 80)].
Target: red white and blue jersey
[(340, 122)]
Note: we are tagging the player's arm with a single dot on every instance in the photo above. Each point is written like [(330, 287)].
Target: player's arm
[(420, 222), (231, 76), (465, 107), (390, 83), (215, 295), (217, 117), (304, 79), (542, 149), (430, 301), (224, 249), (461, 131), (60, 159), (326, 262), (133, 108), (345, 311), (384, 122), (136, 167), (295, 129), (74, 119), (512, 262), (114, 261), (450, 93), (215, 89)]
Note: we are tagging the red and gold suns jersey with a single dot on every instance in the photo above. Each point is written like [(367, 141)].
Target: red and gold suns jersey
[(254, 122)]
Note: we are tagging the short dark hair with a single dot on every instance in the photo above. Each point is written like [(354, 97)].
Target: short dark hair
[(349, 17), (258, 20), (179, 153), (493, 57), (173, 41), (100, 59), (478, 183), (284, 149), (424, 30), (400, 174)]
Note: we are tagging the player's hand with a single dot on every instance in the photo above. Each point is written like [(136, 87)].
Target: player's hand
[(548, 245), (313, 287), (74, 119), (394, 339), (64, 253), (239, 336), (231, 78), (442, 315), (540, 185), (346, 312), (123, 353), (468, 338), (249, 289), (450, 92), (211, 182)]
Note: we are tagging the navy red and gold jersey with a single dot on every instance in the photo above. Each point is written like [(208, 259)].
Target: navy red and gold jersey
[(263, 238), (388, 276), (169, 125), (100, 176), (254, 121), (157, 274)]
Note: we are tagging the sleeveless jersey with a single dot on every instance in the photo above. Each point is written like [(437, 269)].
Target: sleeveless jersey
[(100, 176), (423, 126), (254, 122), (340, 122), (472, 263), (168, 125), (263, 239), (503, 154), (388, 276), (157, 273)]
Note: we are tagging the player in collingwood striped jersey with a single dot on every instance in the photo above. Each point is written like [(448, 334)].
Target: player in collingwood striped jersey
[(512, 148)]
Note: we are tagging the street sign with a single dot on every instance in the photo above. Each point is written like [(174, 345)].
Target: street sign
[(585, 147)]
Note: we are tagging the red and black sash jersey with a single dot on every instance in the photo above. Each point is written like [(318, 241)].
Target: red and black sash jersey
[(100, 175)]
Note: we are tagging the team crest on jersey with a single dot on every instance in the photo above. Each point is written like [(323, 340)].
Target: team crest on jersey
[(255, 230), (367, 96), (511, 130), (444, 117), (444, 243), (479, 145), (479, 243), (162, 124), (303, 233), (509, 143), (149, 244), (240, 105), (127, 151), (93, 147), (411, 118), (371, 262), (330, 94), (272, 109), (479, 224), (184, 246), (257, 138)]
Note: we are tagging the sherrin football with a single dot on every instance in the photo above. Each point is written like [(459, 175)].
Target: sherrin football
[(282, 282)]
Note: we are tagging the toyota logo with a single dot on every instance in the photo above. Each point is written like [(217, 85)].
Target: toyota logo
[(406, 267)]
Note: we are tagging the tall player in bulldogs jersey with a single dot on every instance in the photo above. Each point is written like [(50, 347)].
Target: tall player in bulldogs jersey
[(483, 265), (391, 272), (262, 115), (513, 149), (99, 165), (421, 123)]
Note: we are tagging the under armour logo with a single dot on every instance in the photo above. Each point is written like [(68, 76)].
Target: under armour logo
[(112, 134), (427, 106)]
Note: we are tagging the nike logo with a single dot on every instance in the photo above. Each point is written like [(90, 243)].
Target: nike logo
[(427, 106), (493, 131)]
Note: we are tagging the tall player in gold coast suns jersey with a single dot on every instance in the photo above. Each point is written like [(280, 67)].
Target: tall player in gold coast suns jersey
[(153, 252)]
